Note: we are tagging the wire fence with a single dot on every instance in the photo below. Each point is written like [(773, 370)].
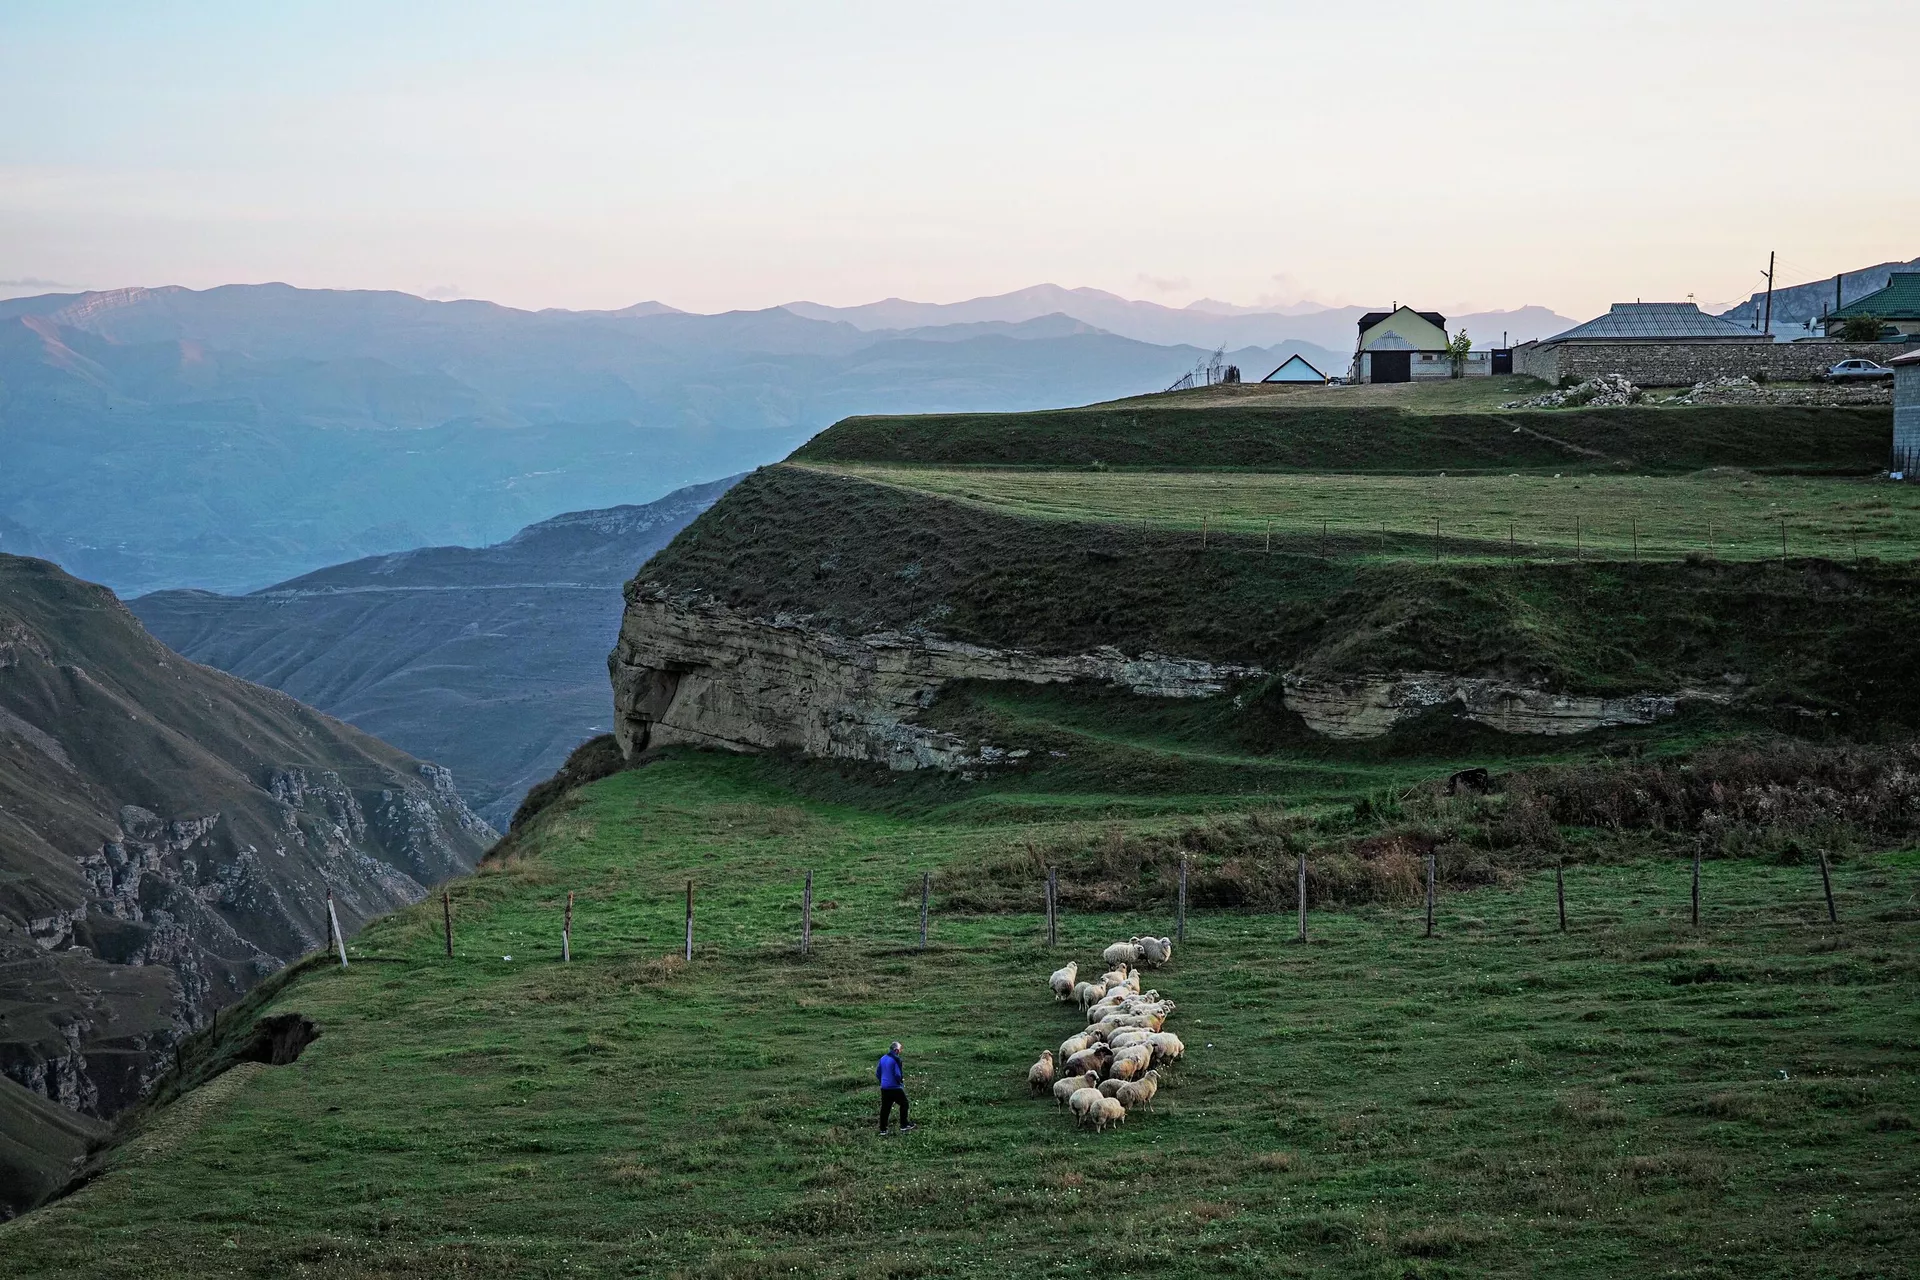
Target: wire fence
[(1577, 539)]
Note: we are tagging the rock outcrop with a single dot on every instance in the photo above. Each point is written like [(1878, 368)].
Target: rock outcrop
[(1370, 706), (688, 670)]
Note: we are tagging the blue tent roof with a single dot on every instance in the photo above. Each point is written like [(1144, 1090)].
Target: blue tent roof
[(1296, 369)]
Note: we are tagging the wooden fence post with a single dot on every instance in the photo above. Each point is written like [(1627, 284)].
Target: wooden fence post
[(689, 921), (1826, 883), (926, 892), (1696, 887), (1180, 911), (566, 933), (1053, 906), (446, 919), (1560, 892), (806, 917), (1303, 897), (333, 926), (1429, 894)]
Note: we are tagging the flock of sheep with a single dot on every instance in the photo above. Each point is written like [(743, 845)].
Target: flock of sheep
[(1112, 1065)]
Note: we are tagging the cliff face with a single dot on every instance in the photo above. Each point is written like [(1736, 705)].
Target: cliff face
[(692, 671), (169, 835)]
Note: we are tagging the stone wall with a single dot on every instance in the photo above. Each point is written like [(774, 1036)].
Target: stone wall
[(1906, 418), (1681, 364)]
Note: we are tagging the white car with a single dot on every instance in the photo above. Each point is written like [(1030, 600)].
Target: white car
[(1857, 371)]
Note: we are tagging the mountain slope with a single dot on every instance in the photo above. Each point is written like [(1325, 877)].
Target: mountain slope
[(169, 835), (1796, 306), (491, 660)]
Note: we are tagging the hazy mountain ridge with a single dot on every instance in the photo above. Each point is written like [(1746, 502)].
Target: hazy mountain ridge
[(168, 836), (490, 660), (232, 437), (1207, 323)]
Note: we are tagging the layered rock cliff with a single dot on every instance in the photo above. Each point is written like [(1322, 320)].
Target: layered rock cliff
[(692, 671), (169, 835)]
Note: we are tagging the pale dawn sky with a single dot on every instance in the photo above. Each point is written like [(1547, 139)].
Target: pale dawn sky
[(718, 156)]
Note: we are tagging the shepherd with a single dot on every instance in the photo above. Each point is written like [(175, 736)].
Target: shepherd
[(893, 1088)]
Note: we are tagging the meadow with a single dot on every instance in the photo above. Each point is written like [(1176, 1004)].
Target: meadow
[(1633, 1096), (1725, 513)]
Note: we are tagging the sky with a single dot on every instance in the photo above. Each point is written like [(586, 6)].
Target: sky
[(740, 155)]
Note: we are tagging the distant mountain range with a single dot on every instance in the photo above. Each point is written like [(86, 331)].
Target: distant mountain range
[(231, 437), (169, 835), (237, 436), (1206, 323), (489, 660)]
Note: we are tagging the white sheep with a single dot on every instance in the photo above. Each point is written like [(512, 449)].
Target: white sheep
[(1040, 1074), (1130, 1036), (1081, 1101), (1166, 1046), (1155, 952), (1134, 1093), (1115, 978), (1103, 1111), (1063, 979), (1074, 1044), (1122, 953), (1063, 1090), (1130, 1063), (1089, 993)]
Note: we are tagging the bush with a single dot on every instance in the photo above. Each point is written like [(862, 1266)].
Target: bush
[(1863, 328)]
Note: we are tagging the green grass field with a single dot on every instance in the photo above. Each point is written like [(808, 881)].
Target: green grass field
[(1727, 513), (1631, 1097)]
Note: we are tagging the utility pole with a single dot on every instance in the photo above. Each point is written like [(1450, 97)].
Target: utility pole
[(1767, 328)]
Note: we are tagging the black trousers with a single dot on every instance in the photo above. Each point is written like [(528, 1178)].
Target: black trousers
[(888, 1097)]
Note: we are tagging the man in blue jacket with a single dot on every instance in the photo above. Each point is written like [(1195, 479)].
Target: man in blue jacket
[(893, 1088)]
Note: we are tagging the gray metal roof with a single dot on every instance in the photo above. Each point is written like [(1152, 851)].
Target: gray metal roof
[(1645, 320)]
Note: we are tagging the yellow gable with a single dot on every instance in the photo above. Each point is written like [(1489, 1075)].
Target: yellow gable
[(1420, 334)]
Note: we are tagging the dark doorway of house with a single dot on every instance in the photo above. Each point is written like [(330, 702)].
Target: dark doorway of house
[(1393, 366), (1502, 360)]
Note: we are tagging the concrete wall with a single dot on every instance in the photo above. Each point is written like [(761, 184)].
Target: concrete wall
[(1906, 418), (1681, 364)]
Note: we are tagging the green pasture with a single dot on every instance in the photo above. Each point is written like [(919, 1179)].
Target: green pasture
[(1633, 1096), (1726, 513)]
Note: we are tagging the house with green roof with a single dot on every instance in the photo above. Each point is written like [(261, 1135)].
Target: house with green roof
[(1897, 305)]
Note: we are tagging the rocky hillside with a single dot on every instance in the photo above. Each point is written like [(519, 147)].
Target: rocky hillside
[(490, 660), (168, 836)]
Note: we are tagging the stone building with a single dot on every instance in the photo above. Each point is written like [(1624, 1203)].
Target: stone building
[(1675, 344), (1906, 414)]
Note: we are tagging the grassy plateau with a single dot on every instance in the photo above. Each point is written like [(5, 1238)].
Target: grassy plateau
[(1724, 512)]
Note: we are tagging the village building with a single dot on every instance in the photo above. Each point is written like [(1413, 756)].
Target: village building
[(1296, 369), (1404, 345), (1398, 345), (1897, 307), (1906, 415)]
